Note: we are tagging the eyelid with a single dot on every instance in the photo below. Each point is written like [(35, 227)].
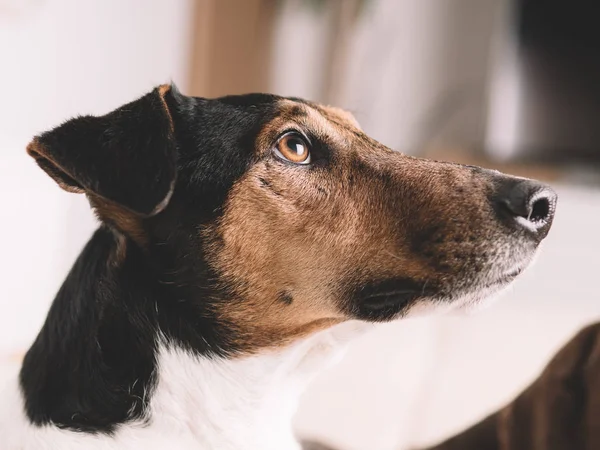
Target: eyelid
[(292, 131)]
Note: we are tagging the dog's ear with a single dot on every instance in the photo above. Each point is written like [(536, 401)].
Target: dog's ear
[(127, 157)]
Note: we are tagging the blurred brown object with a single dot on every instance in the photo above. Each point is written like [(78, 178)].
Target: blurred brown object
[(311, 445), (231, 46), (559, 411)]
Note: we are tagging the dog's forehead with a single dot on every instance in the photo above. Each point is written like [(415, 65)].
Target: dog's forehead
[(323, 122), (323, 117), (339, 116), (275, 113), (223, 139)]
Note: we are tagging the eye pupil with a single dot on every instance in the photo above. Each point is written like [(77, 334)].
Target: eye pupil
[(296, 146)]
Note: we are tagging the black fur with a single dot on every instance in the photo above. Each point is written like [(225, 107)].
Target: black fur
[(93, 358), (93, 364), (103, 154)]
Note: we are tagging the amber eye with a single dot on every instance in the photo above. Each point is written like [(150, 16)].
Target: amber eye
[(293, 147)]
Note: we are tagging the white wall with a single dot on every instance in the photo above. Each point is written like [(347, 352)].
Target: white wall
[(416, 71), (60, 58)]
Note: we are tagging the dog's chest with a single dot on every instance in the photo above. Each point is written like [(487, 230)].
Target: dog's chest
[(201, 403), (239, 404)]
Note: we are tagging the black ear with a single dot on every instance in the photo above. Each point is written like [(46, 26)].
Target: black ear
[(128, 156)]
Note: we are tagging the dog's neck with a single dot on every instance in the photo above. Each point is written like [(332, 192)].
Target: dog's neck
[(246, 402), (117, 352)]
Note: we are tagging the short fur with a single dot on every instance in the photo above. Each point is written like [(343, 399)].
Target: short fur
[(221, 260)]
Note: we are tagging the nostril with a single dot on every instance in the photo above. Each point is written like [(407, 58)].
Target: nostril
[(539, 210), (527, 203)]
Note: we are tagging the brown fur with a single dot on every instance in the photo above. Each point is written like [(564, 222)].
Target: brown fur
[(339, 114), (311, 233), (162, 91), (52, 168), (120, 219)]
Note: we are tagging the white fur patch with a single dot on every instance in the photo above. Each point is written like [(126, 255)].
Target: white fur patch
[(201, 403)]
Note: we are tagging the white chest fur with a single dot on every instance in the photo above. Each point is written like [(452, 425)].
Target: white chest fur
[(200, 403)]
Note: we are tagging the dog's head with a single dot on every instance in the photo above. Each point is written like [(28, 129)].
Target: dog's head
[(281, 217)]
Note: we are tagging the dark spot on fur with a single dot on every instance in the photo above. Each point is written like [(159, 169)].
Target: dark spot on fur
[(285, 297)]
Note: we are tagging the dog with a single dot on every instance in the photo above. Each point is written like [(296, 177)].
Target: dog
[(244, 242)]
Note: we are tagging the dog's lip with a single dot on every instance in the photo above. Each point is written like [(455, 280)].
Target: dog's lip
[(394, 286), (385, 300), (505, 278), (385, 294), (392, 292), (514, 273)]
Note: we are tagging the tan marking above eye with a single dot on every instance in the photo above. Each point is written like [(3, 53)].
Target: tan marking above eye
[(293, 147)]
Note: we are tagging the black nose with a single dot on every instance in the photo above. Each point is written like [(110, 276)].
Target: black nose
[(526, 203)]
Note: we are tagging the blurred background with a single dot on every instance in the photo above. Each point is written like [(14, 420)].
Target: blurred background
[(511, 85)]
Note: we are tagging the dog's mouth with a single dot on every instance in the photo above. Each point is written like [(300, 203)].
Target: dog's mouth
[(495, 277), (496, 284), (384, 299), (506, 278), (387, 299)]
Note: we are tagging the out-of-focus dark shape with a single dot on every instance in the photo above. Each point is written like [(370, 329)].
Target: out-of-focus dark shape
[(313, 445), (556, 104), (559, 411)]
